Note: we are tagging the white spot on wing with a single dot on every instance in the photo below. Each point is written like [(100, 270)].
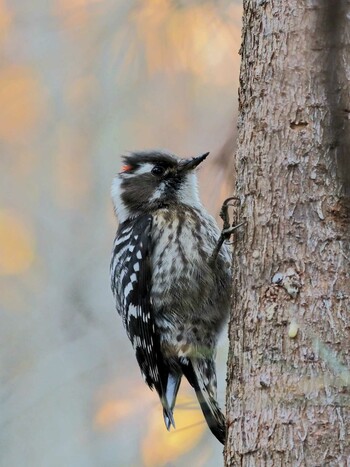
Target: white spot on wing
[(123, 238), (137, 341), (128, 289), (133, 311)]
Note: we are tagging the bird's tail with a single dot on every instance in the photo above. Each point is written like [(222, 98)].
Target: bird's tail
[(169, 398), (201, 376)]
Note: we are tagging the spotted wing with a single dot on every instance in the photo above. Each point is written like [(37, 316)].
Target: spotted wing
[(131, 278)]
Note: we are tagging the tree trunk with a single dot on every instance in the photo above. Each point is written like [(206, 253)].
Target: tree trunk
[(288, 399)]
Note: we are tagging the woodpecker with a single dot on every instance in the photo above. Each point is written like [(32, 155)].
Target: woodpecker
[(171, 283)]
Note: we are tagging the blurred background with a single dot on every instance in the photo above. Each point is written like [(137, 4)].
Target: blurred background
[(81, 83)]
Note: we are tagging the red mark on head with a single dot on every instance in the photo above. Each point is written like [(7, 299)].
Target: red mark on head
[(126, 168)]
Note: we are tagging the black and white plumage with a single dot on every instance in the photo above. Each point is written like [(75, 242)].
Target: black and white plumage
[(172, 295)]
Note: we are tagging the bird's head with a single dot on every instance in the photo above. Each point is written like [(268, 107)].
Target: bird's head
[(154, 179)]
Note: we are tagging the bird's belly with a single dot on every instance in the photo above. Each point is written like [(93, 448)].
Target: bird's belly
[(189, 299), (182, 278), (180, 260)]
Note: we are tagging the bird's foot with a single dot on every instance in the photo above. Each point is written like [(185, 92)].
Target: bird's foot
[(228, 229)]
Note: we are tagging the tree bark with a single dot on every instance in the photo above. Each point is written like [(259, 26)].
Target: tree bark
[(288, 395)]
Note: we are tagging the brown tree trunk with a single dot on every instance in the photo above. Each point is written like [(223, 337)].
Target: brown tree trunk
[(288, 399)]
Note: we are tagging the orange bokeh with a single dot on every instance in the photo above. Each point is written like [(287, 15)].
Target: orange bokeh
[(75, 13), (22, 100), (195, 39), (160, 446), (113, 411), (16, 244), (5, 20)]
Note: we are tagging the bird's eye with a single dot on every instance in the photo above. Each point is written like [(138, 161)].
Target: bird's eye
[(158, 170)]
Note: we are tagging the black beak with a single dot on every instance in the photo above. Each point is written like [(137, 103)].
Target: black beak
[(190, 164)]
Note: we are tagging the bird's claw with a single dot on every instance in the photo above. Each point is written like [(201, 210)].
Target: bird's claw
[(228, 228), (226, 233)]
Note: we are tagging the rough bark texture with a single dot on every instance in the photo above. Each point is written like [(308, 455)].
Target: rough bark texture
[(288, 400)]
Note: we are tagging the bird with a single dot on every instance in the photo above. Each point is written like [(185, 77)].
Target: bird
[(171, 278)]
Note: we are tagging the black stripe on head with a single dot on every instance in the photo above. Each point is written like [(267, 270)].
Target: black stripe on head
[(163, 158)]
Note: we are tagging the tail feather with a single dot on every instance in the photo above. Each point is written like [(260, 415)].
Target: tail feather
[(198, 375), (168, 417), (172, 388)]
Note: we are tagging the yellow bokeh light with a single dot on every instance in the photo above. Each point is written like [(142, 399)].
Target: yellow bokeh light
[(160, 446), (111, 412), (16, 244)]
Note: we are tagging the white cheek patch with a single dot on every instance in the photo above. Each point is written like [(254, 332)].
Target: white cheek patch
[(121, 210)]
